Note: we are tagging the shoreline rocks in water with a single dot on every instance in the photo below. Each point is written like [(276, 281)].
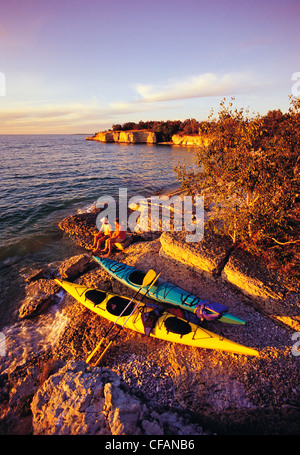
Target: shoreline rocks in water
[(148, 137), (148, 386), (39, 296), (131, 136)]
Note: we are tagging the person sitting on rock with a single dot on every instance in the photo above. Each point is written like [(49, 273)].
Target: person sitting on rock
[(118, 236), (104, 233)]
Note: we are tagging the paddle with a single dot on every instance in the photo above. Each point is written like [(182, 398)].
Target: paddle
[(150, 277), (122, 326)]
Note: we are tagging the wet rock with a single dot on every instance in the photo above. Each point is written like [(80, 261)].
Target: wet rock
[(39, 296), (81, 227), (44, 273), (75, 266)]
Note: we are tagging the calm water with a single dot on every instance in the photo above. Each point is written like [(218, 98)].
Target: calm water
[(46, 178)]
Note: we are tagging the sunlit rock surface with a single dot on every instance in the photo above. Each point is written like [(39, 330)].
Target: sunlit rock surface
[(131, 136)]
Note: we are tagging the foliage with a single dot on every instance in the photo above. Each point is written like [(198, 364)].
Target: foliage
[(249, 174)]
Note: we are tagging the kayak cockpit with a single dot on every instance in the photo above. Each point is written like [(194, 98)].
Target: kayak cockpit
[(176, 325), (95, 296), (136, 277), (116, 305)]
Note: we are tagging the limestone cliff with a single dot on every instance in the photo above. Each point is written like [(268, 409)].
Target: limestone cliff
[(131, 136), (149, 137), (196, 139)]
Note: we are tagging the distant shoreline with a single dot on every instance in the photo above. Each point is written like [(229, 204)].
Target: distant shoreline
[(147, 137)]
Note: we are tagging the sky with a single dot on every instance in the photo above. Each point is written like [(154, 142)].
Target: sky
[(80, 66)]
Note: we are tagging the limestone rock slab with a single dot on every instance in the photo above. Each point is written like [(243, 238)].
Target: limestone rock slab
[(209, 255), (75, 266), (79, 399), (39, 296), (267, 290)]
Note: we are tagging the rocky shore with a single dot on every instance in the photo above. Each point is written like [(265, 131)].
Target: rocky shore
[(131, 136), (148, 137), (147, 386)]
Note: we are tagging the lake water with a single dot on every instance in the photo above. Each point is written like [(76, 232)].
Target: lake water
[(44, 178)]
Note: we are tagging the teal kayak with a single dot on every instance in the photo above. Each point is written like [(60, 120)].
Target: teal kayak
[(168, 293)]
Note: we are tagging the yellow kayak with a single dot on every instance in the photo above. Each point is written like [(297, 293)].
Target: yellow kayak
[(163, 324)]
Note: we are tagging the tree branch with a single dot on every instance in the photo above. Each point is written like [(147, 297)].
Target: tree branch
[(285, 243)]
